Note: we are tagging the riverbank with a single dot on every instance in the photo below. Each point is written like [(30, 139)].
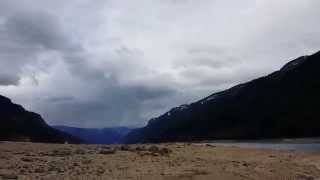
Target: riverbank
[(176, 161)]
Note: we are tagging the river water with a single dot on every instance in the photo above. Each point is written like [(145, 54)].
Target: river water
[(300, 145)]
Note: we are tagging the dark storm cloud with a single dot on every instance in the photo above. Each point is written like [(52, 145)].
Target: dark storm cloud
[(103, 100), (26, 35), (6, 80), (106, 63), (36, 29), (116, 106)]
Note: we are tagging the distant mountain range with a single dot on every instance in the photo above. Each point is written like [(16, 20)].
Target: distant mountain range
[(97, 136), (17, 124), (283, 104)]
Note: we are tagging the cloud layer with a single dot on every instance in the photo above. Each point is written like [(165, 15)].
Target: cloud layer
[(112, 63)]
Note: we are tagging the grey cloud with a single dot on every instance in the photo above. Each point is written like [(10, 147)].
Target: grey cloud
[(208, 62), (38, 29), (114, 106), (208, 56), (206, 49), (6, 80), (107, 64), (60, 99), (146, 93), (24, 37)]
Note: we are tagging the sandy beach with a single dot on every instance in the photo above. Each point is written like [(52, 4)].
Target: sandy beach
[(176, 161)]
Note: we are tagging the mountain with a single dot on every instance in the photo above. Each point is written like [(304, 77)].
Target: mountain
[(97, 136), (284, 104), (17, 124)]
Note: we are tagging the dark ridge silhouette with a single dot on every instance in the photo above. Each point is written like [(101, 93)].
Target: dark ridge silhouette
[(284, 104), (17, 124), (97, 136)]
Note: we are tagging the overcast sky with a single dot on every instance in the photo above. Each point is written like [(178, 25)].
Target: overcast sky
[(102, 63)]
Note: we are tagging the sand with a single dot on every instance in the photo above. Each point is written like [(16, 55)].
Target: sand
[(176, 161)]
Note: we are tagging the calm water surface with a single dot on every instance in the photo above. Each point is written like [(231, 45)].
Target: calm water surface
[(299, 146)]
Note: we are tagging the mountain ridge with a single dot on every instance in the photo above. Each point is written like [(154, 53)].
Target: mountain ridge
[(18, 124), (260, 108)]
